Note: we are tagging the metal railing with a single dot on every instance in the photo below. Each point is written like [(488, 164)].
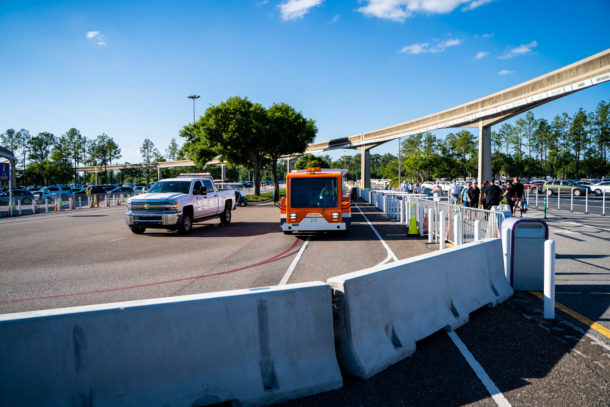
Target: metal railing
[(562, 201), (439, 219), (19, 208)]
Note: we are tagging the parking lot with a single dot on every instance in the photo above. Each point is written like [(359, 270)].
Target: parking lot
[(88, 256)]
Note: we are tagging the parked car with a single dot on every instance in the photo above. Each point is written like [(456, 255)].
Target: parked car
[(564, 187), (53, 192), (26, 197), (533, 185), (240, 198), (601, 187), (121, 190)]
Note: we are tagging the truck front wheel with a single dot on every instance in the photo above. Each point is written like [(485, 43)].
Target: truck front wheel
[(186, 224), (138, 229), (225, 217)]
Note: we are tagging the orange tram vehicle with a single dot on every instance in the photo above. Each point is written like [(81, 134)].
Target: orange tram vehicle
[(317, 200)]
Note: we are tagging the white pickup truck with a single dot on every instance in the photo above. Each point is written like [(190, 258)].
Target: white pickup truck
[(176, 203)]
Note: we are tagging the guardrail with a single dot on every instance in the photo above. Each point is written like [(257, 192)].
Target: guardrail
[(18, 208), (439, 219), (587, 204)]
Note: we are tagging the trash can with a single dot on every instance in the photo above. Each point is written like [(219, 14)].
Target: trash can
[(523, 243)]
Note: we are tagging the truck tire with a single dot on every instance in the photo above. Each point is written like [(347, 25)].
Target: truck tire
[(225, 217), (186, 224), (138, 229)]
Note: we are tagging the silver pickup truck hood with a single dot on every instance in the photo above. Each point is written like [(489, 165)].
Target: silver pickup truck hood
[(168, 196)]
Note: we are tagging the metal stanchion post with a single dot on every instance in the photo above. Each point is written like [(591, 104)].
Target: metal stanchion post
[(441, 220), (430, 225), (549, 279), (572, 200), (477, 230)]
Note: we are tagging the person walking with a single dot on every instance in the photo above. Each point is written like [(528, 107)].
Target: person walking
[(519, 189), (473, 195), (511, 197)]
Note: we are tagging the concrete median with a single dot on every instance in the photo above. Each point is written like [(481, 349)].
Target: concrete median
[(253, 346), (382, 312)]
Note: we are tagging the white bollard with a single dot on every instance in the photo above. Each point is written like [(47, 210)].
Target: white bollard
[(549, 279), (19, 207), (80, 203), (456, 230), (430, 225), (587, 201), (559, 198), (536, 198), (604, 203), (506, 250), (46, 204), (477, 230), (572, 200), (441, 220)]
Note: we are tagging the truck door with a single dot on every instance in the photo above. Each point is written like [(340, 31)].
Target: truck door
[(199, 200), (211, 204)]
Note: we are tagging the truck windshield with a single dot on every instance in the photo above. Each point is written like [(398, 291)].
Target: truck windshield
[(314, 192), (182, 187)]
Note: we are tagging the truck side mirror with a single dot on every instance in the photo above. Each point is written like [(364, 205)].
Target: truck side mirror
[(204, 191)]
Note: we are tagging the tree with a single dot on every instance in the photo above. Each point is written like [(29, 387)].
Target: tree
[(288, 133), (578, 136), (76, 146), (172, 150), (309, 160), (41, 146), (150, 154), (102, 151), (463, 146), (235, 130)]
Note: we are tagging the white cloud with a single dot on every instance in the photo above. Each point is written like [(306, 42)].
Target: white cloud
[(296, 9), (400, 10), (335, 19), (520, 50), (476, 4), (415, 49), (425, 47), (481, 54), (98, 38), (505, 72)]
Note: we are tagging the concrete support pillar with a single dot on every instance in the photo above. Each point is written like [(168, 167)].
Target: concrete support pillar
[(223, 172), (159, 173), (13, 165), (96, 178), (365, 167), (485, 172), (289, 165)]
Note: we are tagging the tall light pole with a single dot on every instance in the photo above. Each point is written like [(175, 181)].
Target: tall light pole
[(193, 97)]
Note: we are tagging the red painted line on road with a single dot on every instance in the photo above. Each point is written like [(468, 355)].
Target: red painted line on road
[(279, 256)]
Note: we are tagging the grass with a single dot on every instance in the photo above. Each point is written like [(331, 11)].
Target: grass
[(264, 196)]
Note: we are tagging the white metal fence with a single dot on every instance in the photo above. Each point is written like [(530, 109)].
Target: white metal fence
[(440, 220)]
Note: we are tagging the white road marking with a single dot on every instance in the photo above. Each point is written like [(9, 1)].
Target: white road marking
[(479, 371), (116, 240), (585, 225), (387, 248), (294, 263)]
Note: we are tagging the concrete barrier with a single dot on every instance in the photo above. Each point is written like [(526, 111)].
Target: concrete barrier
[(254, 346), (383, 311)]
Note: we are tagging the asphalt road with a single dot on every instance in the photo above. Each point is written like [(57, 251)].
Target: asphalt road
[(89, 256)]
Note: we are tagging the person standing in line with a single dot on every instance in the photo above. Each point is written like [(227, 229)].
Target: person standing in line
[(510, 196), (464, 195), (483, 197), (473, 195), (493, 195), (437, 191), (454, 190)]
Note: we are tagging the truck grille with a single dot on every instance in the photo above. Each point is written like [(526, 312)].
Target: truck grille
[(151, 207)]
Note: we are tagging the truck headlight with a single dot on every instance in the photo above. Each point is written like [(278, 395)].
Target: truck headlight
[(335, 216), (128, 205), (293, 217), (174, 205)]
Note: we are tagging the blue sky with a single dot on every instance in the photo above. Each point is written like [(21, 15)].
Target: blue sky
[(125, 68)]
